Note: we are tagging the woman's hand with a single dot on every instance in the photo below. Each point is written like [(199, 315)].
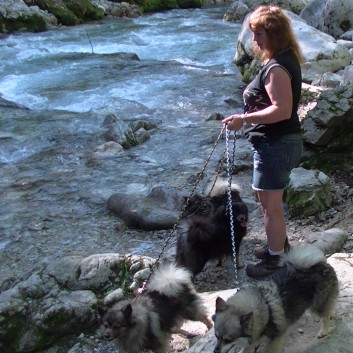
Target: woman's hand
[(233, 122)]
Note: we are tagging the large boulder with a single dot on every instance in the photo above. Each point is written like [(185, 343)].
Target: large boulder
[(328, 114), (122, 9), (70, 12), (15, 15), (60, 299), (158, 5), (292, 5), (333, 17), (158, 210)]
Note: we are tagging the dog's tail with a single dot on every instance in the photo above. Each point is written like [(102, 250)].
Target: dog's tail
[(304, 256), (197, 230), (221, 187), (170, 280)]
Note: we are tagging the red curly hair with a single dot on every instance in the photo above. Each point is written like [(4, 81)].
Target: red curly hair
[(278, 27)]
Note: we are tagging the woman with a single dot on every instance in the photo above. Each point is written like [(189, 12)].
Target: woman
[(272, 125)]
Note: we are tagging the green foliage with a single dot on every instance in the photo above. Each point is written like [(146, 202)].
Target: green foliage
[(304, 203), (329, 161), (84, 9), (159, 5), (13, 336), (69, 12), (186, 4), (126, 278), (346, 25), (131, 140)]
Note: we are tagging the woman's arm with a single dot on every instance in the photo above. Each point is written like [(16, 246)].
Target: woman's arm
[(279, 89)]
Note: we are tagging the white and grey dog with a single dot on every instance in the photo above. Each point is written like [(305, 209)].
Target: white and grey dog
[(306, 281), (146, 322)]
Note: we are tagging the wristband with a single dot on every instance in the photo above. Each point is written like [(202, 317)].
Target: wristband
[(242, 117)]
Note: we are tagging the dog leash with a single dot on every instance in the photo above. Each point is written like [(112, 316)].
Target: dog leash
[(230, 163), (199, 177)]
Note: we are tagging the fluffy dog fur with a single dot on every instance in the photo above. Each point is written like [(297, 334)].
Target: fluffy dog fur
[(146, 322), (205, 232), (306, 281)]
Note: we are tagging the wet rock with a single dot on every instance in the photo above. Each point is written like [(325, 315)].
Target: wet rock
[(157, 210)]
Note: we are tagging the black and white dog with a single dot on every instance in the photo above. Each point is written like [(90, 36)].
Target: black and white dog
[(147, 322), (266, 309)]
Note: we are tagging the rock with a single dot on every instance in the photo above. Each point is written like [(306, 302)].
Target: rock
[(309, 192), (40, 309), (61, 299), (126, 134), (328, 142), (236, 12), (329, 241), (333, 17), (108, 150), (113, 297), (15, 15), (157, 210), (347, 77), (45, 14), (238, 7), (4, 103), (97, 271), (123, 9)]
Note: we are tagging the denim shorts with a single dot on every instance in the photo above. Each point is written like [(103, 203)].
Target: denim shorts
[(274, 160)]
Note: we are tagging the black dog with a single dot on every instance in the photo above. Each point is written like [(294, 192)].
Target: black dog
[(205, 232)]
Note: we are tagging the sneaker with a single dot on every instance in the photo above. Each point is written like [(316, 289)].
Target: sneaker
[(260, 252), (266, 267)]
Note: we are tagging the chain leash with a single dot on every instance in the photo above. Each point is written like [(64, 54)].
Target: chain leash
[(199, 177), (229, 202)]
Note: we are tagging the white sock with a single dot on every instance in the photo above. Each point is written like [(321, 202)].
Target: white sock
[(276, 252)]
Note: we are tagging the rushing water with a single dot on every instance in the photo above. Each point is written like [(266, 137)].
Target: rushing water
[(52, 197)]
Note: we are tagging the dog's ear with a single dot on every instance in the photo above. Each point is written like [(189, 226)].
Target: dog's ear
[(127, 311), (221, 305), (102, 310)]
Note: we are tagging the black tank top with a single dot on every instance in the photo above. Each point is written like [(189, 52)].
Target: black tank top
[(256, 98)]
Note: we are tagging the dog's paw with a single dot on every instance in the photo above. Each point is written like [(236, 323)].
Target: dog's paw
[(325, 331), (328, 325), (240, 264)]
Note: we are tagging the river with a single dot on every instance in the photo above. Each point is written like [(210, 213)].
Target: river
[(53, 195)]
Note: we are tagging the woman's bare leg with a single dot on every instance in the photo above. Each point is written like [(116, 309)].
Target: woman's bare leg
[(274, 220)]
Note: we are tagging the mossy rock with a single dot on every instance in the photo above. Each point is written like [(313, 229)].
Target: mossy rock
[(32, 23), (308, 193), (307, 203), (330, 161), (69, 12), (84, 9), (159, 5), (58, 9), (189, 4)]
